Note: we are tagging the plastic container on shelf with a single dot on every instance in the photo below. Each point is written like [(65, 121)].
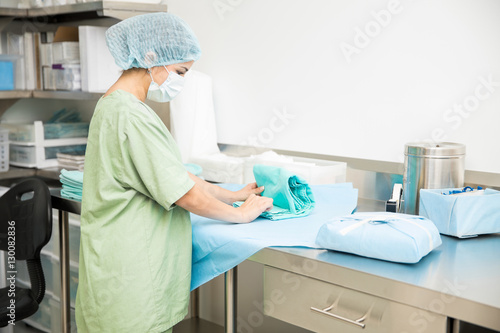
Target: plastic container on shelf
[(73, 279), (314, 171), (67, 76), (42, 319), (73, 239), (36, 145), (28, 156), (27, 132), (55, 310)]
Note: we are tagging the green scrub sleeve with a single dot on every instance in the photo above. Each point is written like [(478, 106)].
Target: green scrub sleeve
[(155, 169)]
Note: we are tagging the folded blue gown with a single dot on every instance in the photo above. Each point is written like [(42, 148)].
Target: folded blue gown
[(219, 246), (292, 196), (387, 236)]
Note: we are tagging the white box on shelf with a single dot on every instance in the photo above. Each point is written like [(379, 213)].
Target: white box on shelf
[(29, 147), (98, 67), (314, 171), (221, 168), (55, 310), (66, 52), (67, 76)]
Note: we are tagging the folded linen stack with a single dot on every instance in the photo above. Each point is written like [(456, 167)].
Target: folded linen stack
[(70, 161), (387, 236), (72, 184), (292, 196)]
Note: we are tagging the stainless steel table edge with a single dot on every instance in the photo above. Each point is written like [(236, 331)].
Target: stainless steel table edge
[(65, 206), (397, 291)]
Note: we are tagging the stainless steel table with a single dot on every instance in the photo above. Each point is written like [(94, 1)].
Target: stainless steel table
[(65, 206), (459, 280)]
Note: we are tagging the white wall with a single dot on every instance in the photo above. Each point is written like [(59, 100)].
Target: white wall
[(343, 92)]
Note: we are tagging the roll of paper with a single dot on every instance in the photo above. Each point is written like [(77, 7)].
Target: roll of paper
[(192, 118)]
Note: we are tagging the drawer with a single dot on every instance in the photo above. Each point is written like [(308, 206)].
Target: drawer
[(324, 307)]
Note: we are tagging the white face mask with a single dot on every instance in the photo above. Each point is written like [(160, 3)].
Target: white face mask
[(168, 90)]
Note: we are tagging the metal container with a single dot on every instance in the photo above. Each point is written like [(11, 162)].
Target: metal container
[(431, 165)]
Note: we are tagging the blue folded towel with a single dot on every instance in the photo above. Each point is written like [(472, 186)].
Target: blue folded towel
[(387, 236), (292, 196), (219, 246), (72, 184)]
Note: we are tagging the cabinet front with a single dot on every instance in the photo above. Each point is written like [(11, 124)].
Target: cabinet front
[(324, 307)]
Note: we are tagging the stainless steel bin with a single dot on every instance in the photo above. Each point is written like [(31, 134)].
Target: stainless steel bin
[(431, 165)]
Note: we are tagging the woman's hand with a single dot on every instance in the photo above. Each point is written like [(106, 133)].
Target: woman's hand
[(254, 206), (248, 190)]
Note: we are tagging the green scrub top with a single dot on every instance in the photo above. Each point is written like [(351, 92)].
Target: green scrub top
[(135, 251)]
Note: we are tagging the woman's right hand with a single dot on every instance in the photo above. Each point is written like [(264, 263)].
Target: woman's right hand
[(254, 206)]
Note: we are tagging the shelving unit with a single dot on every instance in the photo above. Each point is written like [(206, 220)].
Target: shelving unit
[(75, 13)]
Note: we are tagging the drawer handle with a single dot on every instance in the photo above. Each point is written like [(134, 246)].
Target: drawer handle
[(357, 322)]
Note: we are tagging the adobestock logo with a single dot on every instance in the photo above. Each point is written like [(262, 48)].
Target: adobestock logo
[(363, 37)]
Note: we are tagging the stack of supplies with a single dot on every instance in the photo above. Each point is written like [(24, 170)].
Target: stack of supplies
[(74, 162), (292, 196), (72, 184), (388, 236)]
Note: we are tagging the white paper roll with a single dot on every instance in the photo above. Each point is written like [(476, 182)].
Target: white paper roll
[(192, 118)]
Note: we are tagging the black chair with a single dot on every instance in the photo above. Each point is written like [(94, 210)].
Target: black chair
[(28, 205)]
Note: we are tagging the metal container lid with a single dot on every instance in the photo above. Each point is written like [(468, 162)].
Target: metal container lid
[(439, 149)]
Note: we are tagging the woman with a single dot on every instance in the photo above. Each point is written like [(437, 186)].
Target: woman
[(135, 253)]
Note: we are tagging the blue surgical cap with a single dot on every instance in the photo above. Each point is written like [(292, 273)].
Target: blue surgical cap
[(151, 40)]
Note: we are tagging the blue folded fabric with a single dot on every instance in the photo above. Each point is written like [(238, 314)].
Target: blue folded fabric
[(219, 246), (387, 236), (72, 184), (292, 196), (462, 215)]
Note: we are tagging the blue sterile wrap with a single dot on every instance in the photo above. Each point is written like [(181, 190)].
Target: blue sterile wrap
[(462, 215), (292, 196), (387, 236), (72, 184), (219, 246)]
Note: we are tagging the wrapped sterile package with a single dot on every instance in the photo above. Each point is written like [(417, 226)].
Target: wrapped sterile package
[(462, 215), (387, 236)]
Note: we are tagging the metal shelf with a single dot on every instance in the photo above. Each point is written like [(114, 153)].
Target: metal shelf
[(119, 10), (75, 95), (16, 12), (15, 94), (85, 10)]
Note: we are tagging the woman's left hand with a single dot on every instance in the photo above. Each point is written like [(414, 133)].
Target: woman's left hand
[(245, 192)]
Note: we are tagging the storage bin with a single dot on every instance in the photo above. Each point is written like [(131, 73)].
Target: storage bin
[(55, 310), (314, 171), (73, 279), (74, 237), (30, 156), (67, 77), (6, 75), (462, 215), (42, 319), (27, 132)]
